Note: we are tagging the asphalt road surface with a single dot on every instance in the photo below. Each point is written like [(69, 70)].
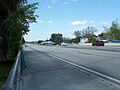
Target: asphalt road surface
[(113, 47), (44, 72)]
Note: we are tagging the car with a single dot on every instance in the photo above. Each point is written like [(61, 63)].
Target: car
[(98, 43), (64, 44)]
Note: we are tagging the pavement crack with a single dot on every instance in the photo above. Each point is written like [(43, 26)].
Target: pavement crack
[(49, 70)]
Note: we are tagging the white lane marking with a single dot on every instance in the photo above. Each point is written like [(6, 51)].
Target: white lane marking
[(109, 79)]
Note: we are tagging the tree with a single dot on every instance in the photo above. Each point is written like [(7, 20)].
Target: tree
[(67, 40), (40, 41), (91, 39), (76, 40), (7, 12), (77, 36), (88, 32), (57, 38), (114, 31), (14, 23), (103, 35)]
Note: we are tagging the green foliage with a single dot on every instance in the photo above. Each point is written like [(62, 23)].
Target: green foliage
[(103, 35), (57, 38), (13, 26), (84, 33), (40, 41), (67, 40), (114, 31), (4, 71), (76, 40), (91, 39), (71, 40), (25, 15)]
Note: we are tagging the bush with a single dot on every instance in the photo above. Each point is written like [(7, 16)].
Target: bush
[(91, 39)]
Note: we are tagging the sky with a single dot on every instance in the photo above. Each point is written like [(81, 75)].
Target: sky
[(67, 16)]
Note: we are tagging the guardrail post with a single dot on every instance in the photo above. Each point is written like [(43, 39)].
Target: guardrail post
[(23, 64), (18, 75)]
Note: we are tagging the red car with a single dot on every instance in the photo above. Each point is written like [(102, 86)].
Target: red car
[(98, 43)]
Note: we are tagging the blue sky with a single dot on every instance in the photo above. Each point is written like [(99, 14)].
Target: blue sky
[(67, 16)]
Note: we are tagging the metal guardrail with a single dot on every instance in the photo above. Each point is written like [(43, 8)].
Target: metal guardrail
[(13, 80)]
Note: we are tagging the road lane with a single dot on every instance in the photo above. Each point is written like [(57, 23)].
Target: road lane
[(46, 73), (105, 62), (114, 48)]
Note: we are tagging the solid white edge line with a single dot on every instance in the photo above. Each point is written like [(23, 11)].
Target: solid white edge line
[(90, 71)]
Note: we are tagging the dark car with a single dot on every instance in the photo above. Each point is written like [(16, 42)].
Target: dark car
[(98, 43)]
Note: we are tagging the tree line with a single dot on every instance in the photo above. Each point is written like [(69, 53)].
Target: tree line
[(111, 33), (15, 16)]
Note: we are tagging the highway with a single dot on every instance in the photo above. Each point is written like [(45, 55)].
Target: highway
[(108, 47), (47, 68)]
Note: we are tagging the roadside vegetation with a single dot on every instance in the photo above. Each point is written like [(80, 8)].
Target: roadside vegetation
[(4, 71), (111, 33), (15, 17)]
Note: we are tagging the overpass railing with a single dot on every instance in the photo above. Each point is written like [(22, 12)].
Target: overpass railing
[(13, 80)]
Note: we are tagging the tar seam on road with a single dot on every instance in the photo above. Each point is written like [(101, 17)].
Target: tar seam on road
[(89, 54), (48, 70)]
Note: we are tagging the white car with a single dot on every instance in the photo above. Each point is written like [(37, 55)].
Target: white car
[(64, 44)]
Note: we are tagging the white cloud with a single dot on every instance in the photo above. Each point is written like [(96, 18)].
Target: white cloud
[(65, 3), (78, 23), (50, 21), (82, 27), (49, 6)]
